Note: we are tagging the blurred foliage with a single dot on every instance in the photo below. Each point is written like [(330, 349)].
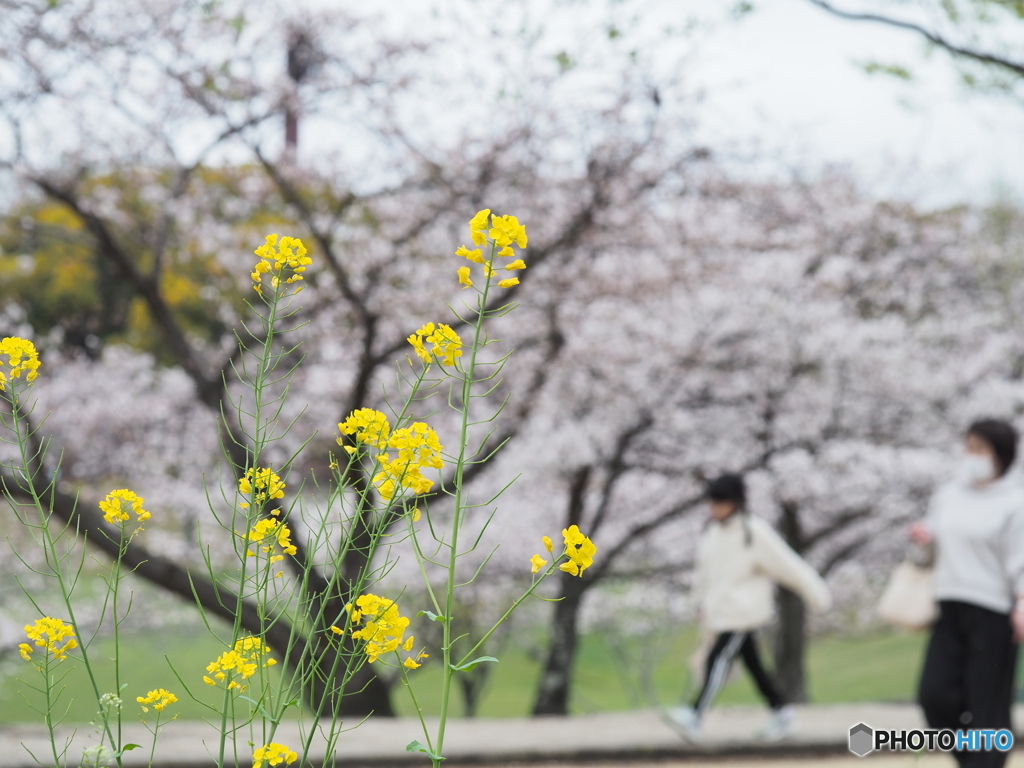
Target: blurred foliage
[(56, 276)]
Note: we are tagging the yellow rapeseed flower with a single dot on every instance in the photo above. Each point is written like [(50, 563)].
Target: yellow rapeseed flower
[(119, 503), (514, 265), (21, 358), (506, 230), (548, 544), (536, 563), (158, 698), (273, 754), (464, 278), (475, 255), (508, 283), (49, 633), (418, 447), (447, 343), (267, 484), (478, 227), (383, 628), (242, 661), (579, 549), (368, 426), (270, 532), (285, 260)]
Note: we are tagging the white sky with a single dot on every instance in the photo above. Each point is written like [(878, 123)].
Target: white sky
[(787, 78)]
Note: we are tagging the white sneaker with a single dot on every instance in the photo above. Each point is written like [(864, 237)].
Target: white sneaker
[(780, 726), (685, 721)]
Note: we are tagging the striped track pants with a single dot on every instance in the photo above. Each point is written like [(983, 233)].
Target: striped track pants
[(725, 649)]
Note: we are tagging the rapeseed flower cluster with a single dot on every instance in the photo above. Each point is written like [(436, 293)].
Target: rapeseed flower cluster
[(273, 754), (368, 426), (158, 699), (21, 358), (503, 232), (578, 548), (447, 344), (242, 661), (383, 628), (52, 634), (270, 532), (417, 447), (267, 484), (278, 259), (118, 504)]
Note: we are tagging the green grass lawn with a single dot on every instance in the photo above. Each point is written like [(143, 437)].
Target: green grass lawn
[(880, 667)]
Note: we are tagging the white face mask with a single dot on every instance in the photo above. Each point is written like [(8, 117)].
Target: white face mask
[(975, 469)]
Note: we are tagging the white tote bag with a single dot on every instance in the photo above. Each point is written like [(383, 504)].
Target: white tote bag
[(908, 600)]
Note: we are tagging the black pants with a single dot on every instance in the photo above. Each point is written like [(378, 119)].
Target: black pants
[(716, 670), (968, 675)]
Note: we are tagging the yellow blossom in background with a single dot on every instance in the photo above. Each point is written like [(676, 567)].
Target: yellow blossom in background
[(21, 358), (383, 627), (415, 514), (508, 283), (287, 257), (515, 265), (337, 630), (478, 227), (579, 549), (506, 230), (464, 278), (49, 633), (548, 544), (273, 754), (270, 532), (267, 484), (368, 426), (158, 699), (536, 563), (447, 343), (242, 661), (506, 252), (117, 505), (411, 663), (476, 255)]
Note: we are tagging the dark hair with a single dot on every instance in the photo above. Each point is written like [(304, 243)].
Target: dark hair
[(1001, 437), (728, 487)]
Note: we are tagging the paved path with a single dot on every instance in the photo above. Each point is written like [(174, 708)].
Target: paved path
[(613, 738)]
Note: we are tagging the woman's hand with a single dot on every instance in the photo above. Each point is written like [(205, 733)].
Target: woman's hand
[(919, 533), (1017, 620)]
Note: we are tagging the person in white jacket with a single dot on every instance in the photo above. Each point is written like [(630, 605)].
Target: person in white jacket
[(740, 559)]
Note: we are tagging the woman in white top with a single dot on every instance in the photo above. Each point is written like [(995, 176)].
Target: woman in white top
[(976, 524), (740, 559)]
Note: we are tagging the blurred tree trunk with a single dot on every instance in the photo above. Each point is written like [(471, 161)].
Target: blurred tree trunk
[(553, 691), (790, 638), (790, 645)]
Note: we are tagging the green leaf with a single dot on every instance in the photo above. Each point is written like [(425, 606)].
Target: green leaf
[(415, 746), (431, 615), (472, 664), (128, 748)]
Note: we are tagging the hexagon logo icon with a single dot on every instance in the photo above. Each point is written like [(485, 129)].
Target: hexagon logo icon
[(862, 739)]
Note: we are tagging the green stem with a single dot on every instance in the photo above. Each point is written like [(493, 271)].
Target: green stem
[(412, 694), (467, 392)]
